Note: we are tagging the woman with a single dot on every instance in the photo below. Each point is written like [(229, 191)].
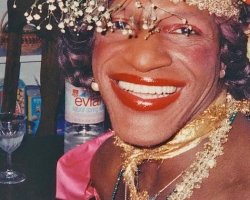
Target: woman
[(175, 79)]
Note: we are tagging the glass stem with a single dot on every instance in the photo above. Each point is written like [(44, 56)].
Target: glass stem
[(9, 162)]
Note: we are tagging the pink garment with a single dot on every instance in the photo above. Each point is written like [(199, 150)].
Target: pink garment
[(73, 171)]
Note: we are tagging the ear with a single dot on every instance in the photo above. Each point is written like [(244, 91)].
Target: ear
[(223, 68)]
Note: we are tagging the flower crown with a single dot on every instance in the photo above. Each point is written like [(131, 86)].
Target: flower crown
[(97, 13)]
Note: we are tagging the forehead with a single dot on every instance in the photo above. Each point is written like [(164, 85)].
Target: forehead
[(159, 8)]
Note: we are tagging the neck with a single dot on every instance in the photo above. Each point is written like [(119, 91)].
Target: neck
[(213, 121)]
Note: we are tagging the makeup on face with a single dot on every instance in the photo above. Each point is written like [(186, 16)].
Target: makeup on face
[(152, 83)]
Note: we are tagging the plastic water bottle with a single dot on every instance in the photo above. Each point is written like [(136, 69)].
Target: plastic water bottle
[(84, 116)]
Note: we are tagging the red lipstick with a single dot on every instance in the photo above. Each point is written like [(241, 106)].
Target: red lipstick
[(138, 103)]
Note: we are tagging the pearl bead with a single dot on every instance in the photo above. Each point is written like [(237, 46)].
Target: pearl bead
[(95, 86)]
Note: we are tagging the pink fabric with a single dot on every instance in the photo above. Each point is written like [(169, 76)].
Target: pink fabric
[(73, 171)]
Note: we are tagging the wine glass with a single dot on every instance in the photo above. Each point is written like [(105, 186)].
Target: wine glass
[(12, 129)]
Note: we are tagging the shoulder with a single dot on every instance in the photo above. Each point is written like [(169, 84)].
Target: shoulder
[(106, 157), (239, 135), (236, 159), (238, 146)]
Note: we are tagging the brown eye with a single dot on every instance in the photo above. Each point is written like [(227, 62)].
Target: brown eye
[(186, 30)]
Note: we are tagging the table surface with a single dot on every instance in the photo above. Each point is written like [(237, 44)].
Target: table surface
[(36, 158)]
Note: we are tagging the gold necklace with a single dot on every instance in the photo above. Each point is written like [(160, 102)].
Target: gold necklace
[(191, 178), (199, 169)]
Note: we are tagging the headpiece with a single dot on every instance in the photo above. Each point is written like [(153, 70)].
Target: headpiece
[(98, 12), (90, 14), (217, 7)]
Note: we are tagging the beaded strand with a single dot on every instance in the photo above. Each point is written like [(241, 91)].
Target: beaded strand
[(231, 119), (117, 184)]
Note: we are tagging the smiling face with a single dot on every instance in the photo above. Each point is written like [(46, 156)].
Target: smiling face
[(153, 87)]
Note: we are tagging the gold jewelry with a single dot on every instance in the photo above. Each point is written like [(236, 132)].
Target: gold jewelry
[(219, 8), (211, 123)]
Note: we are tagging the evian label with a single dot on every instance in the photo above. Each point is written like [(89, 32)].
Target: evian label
[(80, 108)]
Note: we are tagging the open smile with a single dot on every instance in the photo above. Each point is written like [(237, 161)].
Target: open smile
[(145, 94)]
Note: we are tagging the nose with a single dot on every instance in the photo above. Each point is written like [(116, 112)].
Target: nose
[(147, 54)]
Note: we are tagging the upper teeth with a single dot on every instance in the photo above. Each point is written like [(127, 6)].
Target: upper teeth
[(146, 89)]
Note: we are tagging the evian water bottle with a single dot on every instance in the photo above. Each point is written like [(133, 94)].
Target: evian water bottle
[(84, 116)]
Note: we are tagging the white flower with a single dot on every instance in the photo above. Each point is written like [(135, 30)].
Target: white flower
[(76, 3), (124, 31), (89, 27), (40, 6), (60, 4), (92, 3), (88, 18), (101, 8), (106, 15), (38, 27), (26, 14), (138, 4), (99, 29), (67, 3), (52, 7), (65, 10), (80, 13), (95, 18), (61, 25), (89, 10), (49, 27), (37, 17), (29, 18), (98, 23), (145, 26), (66, 20), (109, 24)]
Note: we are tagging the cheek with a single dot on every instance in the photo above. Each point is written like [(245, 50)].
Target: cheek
[(103, 50), (102, 54), (203, 61), (97, 62)]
